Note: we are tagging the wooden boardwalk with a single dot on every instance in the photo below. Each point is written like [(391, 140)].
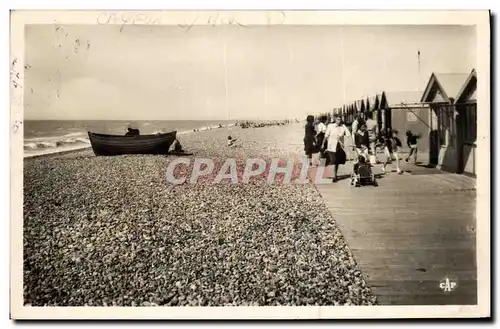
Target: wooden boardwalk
[(410, 233)]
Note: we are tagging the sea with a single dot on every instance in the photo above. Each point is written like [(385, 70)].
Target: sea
[(52, 136)]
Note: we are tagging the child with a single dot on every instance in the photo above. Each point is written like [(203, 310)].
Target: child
[(363, 172), (361, 161), (391, 149), (412, 140)]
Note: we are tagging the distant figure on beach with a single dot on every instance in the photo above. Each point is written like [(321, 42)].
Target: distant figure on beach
[(310, 138), (334, 136), (132, 132), (231, 141), (412, 140)]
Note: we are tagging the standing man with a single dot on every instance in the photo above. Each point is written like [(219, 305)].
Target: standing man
[(372, 128)]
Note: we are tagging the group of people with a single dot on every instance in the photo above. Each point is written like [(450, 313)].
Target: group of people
[(328, 139), (252, 124)]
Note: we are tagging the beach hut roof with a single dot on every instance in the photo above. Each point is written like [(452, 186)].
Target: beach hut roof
[(398, 98), (373, 102), (360, 104), (468, 89), (445, 85)]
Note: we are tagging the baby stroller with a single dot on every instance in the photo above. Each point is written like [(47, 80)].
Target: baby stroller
[(362, 174)]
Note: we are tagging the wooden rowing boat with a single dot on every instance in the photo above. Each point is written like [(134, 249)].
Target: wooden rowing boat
[(108, 145)]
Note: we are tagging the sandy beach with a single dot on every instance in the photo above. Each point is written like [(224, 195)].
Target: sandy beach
[(113, 231)]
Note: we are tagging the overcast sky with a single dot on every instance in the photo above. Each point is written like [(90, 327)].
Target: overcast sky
[(228, 72)]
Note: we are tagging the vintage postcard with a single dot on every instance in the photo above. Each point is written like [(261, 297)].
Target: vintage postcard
[(250, 164)]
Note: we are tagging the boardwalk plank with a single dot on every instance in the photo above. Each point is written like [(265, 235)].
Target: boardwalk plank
[(409, 233)]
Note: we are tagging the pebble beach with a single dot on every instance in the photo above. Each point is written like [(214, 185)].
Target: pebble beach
[(112, 231)]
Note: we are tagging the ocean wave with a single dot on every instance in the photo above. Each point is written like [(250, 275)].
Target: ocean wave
[(39, 145), (55, 142), (74, 135)]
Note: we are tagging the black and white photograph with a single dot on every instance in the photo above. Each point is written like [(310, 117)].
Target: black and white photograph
[(166, 163)]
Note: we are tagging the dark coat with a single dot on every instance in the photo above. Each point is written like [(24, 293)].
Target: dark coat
[(361, 140), (309, 139)]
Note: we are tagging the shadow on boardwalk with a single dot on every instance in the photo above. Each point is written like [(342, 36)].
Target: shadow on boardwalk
[(410, 233)]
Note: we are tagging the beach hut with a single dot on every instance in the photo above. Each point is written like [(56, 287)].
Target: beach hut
[(360, 106), (372, 106), (403, 111), (345, 114), (382, 114), (440, 94), (466, 120), (352, 112)]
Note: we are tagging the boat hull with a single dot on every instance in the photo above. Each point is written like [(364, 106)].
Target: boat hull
[(109, 145)]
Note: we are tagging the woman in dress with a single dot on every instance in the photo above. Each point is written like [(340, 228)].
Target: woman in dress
[(320, 135), (362, 142), (310, 138), (334, 136)]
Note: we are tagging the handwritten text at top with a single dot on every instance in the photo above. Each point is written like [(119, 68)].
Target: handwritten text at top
[(218, 18)]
